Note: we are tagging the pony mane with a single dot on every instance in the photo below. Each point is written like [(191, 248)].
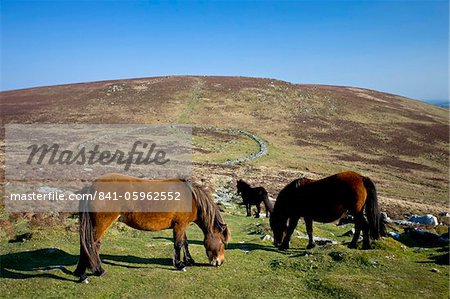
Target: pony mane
[(286, 193), (208, 211)]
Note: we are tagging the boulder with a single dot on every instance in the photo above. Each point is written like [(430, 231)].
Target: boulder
[(424, 219), (267, 238)]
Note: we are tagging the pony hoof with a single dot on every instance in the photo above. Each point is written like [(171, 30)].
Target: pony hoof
[(310, 246), (180, 266), (283, 248), (83, 280), (366, 247), (189, 262), (352, 246), (100, 273)]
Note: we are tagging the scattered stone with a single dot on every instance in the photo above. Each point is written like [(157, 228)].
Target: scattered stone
[(435, 270), (444, 238), (319, 240), (444, 218), (423, 235), (115, 88), (424, 219), (384, 217), (403, 222), (267, 238), (394, 235)]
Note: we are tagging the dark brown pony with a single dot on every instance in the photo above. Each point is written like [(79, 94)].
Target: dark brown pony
[(253, 196), (326, 200), (204, 213)]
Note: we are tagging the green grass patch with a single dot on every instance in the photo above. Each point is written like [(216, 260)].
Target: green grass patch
[(139, 265)]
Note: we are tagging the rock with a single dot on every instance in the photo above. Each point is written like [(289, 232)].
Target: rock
[(444, 218), (394, 235), (424, 219), (444, 238), (319, 240), (403, 222), (384, 217), (423, 235), (349, 233), (267, 238), (434, 270)]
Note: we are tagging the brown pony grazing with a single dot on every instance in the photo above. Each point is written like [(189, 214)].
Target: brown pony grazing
[(253, 196), (326, 200), (204, 213)]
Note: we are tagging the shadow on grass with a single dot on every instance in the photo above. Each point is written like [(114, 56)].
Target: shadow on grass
[(240, 246), (442, 258), (39, 263), (47, 259)]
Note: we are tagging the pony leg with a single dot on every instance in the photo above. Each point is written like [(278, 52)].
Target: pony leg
[(178, 242), (364, 225), (309, 231), (290, 230), (249, 210), (258, 210), (354, 242), (188, 260)]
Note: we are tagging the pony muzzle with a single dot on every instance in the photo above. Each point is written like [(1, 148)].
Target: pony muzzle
[(216, 262)]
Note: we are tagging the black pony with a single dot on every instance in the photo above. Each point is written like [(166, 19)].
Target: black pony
[(327, 200), (253, 196)]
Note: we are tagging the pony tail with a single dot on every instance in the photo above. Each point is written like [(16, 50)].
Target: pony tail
[(372, 209), (88, 250)]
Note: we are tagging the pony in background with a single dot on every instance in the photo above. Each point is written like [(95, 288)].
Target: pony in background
[(253, 196), (327, 200)]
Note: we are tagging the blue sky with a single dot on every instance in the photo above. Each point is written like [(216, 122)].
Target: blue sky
[(394, 46)]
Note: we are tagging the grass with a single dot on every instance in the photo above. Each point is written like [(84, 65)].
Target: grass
[(221, 151), (139, 265)]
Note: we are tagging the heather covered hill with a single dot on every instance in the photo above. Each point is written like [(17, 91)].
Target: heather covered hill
[(315, 130)]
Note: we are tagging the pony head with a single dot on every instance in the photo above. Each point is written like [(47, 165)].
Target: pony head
[(240, 184), (279, 214), (278, 224), (215, 242)]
